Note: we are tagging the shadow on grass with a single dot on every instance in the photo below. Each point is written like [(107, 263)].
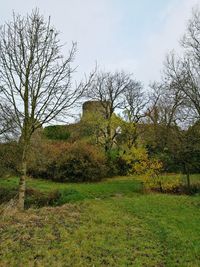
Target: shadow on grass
[(70, 193)]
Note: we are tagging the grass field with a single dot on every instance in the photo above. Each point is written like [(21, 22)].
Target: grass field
[(71, 192), (112, 223)]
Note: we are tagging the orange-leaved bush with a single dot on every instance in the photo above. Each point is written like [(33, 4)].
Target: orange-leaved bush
[(73, 162)]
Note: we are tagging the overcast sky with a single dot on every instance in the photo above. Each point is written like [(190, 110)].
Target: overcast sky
[(133, 35)]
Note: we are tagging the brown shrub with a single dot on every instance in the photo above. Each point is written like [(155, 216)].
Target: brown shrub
[(60, 161)]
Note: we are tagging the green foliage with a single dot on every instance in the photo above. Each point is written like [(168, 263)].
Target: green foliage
[(80, 163), (100, 130), (178, 149), (56, 132), (128, 135), (189, 152)]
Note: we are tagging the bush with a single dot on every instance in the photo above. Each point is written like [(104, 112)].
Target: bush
[(56, 132), (172, 184), (65, 162), (7, 194), (34, 198), (10, 156), (164, 184), (80, 163), (43, 157)]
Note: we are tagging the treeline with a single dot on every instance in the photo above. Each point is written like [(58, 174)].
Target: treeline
[(125, 128)]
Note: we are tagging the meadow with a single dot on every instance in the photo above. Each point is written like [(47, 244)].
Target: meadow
[(110, 223)]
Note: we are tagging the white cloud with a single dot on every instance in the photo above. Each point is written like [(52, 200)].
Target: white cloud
[(94, 24), (160, 43)]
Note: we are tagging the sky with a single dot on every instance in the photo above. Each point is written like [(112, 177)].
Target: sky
[(130, 35)]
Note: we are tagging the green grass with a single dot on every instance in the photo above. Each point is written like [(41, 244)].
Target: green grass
[(72, 192), (112, 224)]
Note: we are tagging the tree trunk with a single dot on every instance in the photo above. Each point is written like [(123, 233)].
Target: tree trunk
[(108, 144), (188, 181), (22, 182), (187, 172), (160, 186)]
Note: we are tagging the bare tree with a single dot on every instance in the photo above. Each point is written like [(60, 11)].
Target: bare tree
[(164, 105), (163, 115), (35, 78), (133, 112), (183, 73), (8, 127), (108, 89), (135, 102)]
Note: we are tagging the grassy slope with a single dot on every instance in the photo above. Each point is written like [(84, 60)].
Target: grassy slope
[(118, 227)]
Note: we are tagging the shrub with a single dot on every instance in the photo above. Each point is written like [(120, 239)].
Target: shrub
[(65, 162), (7, 194), (172, 184), (166, 184), (9, 158), (56, 132), (43, 157), (34, 197), (80, 163), (117, 166)]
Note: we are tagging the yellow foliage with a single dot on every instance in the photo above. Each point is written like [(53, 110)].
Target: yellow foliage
[(140, 162)]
